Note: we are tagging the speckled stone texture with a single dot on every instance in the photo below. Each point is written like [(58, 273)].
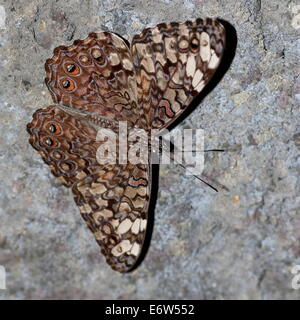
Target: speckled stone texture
[(235, 244)]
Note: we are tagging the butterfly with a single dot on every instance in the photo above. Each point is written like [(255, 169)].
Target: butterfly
[(101, 80)]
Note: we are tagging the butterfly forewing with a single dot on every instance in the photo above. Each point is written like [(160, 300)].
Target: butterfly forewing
[(96, 75), (173, 64)]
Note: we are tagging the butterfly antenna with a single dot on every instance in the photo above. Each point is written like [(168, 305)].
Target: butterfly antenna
[(172, 158), (198, 178)]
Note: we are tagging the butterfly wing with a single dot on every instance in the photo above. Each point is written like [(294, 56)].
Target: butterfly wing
[(114, 203), (113, 198), (173, 64), (96, 75)]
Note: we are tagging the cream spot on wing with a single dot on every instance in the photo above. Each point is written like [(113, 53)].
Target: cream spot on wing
[(141, 49), (130, 192), (156, 35), (183, 44), (101, 36), (112, 241), (138, 203), (171, 53), (143, 224), (176, 107), (101, 173), (190, 66), (183, 57), (176, 77), (200, 86), (118, 191), (109, 175), (136, 226), (135, 250), (170, 94), (142, 191), (106, 72), (181, 95), (214, 61), (124, 226), (197, 78), (121, 248), (183, 29), (161, 81), (160, 58), (97, 188), (85, 208), (110, 193), (144, 80), (106, 229), (114, 59), (65, 167), (127, 64), (204, 46), (115, 223), (105, 213), (101, 202), (80, 175), (148, 64), (99, 235), (124, 207), (82, 188), (119, 43)]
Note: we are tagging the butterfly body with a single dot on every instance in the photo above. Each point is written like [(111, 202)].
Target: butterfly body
[(98, 83)]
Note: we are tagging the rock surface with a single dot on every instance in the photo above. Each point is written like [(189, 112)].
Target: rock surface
[(235, 244)]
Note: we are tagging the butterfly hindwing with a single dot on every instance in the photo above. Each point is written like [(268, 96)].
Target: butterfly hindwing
[(113, 199), (114, 203), (173, 64)]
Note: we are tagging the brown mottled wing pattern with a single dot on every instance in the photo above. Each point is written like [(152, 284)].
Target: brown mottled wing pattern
[(113, 199), (96, 75), (99, 81), (114, 203), (173, 64), (65, 143)]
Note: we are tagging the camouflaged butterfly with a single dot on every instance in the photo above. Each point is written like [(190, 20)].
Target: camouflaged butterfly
[(99, 81)]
